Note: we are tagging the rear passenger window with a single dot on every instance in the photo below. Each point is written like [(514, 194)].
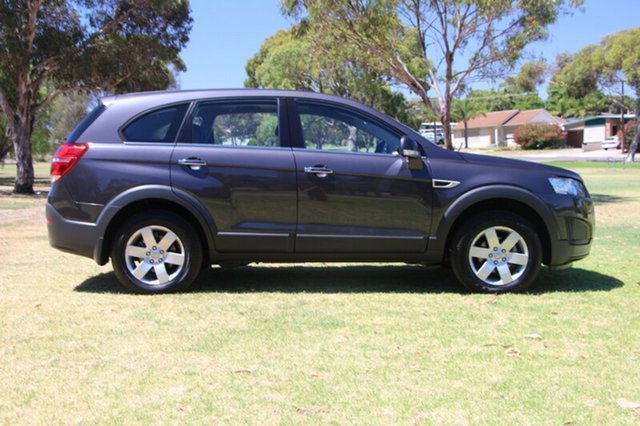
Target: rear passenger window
[(240, 123), (157, 126)]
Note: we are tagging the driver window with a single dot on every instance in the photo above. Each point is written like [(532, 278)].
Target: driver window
[(332, 129)]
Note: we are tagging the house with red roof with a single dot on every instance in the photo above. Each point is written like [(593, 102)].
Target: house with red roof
[(498, 127)]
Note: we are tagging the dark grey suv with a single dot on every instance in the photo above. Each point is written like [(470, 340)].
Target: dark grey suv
[(167, 183)]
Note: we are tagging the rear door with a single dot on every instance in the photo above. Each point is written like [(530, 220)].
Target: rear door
[(356, 194), (235, 160)]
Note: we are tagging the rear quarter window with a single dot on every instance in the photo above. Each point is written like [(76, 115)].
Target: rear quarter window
[(160, 125), (85, 123)]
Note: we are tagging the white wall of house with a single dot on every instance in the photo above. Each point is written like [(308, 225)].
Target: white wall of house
[(509, 132), (593, 134), (478, 138)]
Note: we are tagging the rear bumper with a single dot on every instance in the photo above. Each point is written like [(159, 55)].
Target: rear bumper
[(71, 236)]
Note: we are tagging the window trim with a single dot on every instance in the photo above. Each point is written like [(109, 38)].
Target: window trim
[(297, 132), (121, 129)]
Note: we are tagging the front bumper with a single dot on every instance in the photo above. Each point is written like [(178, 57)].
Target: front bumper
[(575, 218)]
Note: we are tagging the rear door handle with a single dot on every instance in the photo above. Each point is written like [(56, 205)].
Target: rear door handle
[(193, 163), (318, 171)]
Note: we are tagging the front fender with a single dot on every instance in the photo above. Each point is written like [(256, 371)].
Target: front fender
[(451, 213)]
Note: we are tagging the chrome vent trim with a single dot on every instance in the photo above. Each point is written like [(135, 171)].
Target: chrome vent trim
[(445, 184)]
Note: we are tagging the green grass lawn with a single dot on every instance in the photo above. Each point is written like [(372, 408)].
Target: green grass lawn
[(366, 344)]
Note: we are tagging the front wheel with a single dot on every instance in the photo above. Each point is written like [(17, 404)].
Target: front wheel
[(496, 252), (156, 252)]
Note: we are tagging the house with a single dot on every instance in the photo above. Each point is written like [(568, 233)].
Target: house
[(590, 132), (498, 127)]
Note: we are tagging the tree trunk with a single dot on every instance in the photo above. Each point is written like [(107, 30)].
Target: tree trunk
[(466, 135), (634, 145), (446, 124), (21, 136)]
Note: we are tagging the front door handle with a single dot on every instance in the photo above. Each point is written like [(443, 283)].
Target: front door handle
[(319, 171), (193, 163)]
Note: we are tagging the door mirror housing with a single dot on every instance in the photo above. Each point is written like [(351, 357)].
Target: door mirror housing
[(410, 148)]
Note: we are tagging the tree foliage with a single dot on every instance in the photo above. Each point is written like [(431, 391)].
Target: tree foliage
[(302, 59), (53, 47), (573, 90), (433, 47)]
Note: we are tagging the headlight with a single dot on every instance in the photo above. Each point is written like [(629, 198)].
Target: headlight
[(568, 186)]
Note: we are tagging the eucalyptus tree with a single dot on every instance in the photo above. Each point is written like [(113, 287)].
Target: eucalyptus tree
[(49, 47)]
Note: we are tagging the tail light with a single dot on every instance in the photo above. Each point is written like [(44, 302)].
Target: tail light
[(66, 156)]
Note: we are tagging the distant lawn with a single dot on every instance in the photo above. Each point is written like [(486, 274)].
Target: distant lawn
[(595, 164), (341, 344), (42, 183)]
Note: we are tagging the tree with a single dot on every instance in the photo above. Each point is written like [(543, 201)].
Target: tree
[(531, 75), (433, 45), (621, 62), (464, 110), (573, 90), (301, 59), (53, 47), (594, 76)]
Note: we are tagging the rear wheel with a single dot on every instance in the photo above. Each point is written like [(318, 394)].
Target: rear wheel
[(496, 252), (156, 252)]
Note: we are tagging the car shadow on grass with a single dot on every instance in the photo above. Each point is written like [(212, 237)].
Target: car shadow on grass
[(607, 198), (355, 279), (573, 280)]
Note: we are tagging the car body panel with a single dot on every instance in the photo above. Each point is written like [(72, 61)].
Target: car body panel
[(369, 203)]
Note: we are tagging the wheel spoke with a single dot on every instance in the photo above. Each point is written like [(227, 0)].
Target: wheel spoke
[(141, 270), (511, 241), (161, 273), (147, 236), (505, 274), (175, 259), (485, 270), (135, 251), (492, 237), (518, 259), (168, 239), (479, 252)]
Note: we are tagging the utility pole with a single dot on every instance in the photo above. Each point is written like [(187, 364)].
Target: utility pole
[(621, 127)]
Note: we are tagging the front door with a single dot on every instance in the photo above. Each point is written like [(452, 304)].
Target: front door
[(355, 193), (236, 162)]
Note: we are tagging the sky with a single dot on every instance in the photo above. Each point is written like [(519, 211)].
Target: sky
[(226, 33)]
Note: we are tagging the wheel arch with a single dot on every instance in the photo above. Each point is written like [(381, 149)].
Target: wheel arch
[(501, 197), (152, 197)]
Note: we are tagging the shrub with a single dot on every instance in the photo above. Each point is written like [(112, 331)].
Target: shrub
[(539, 136)]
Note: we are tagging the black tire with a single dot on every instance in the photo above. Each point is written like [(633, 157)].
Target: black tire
[(174, 263), (496, 269)]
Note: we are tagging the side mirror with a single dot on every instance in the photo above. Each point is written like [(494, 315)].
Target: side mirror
[(410, 148)]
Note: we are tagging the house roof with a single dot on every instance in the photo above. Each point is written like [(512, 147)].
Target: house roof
[(525, 117), (511, 117), (489, 119), (577, 124)]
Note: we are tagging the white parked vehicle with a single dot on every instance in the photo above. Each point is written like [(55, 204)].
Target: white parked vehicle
[(611, 142)]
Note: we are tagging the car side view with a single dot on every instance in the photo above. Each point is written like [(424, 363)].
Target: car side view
[(166, 183)]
